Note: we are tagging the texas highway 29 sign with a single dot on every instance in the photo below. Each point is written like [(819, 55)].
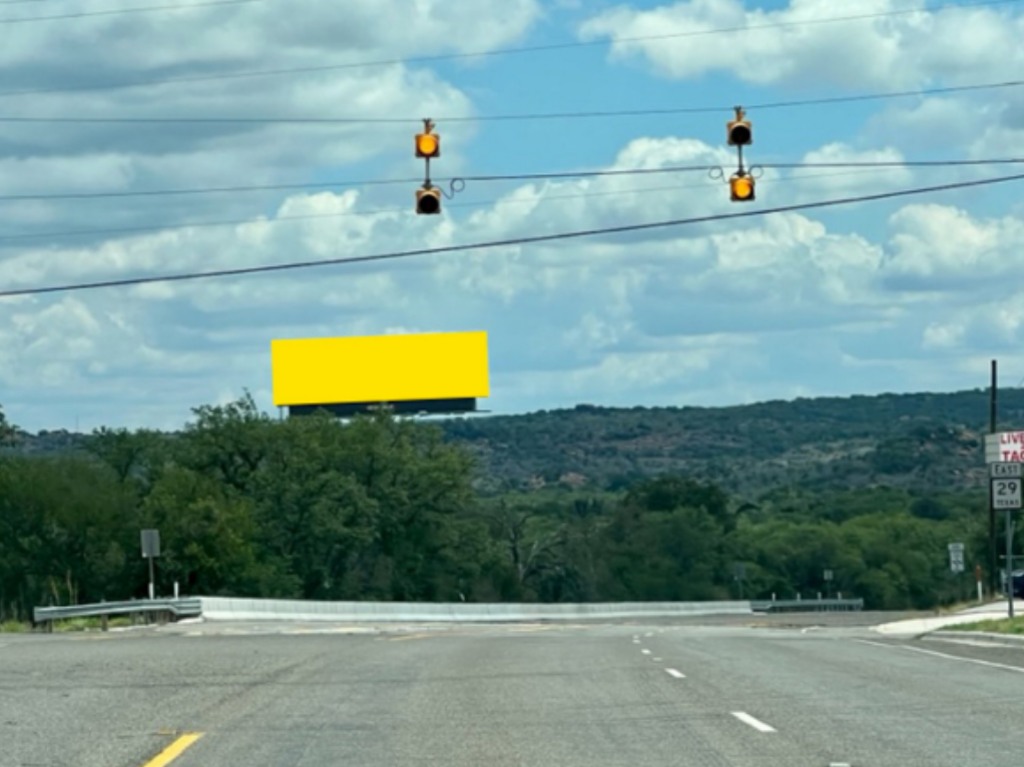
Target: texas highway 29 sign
[(1007, 484)]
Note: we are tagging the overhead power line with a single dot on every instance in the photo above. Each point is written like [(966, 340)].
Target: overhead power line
[(156, 229), (494, 178), (420, 252), (576, 44), (522, 116), (120, 11)]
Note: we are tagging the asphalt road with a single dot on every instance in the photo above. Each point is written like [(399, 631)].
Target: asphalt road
[(827, 692)]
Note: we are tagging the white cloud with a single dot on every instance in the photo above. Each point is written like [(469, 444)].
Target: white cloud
[(794, 48), (190, 46), (938, 247)]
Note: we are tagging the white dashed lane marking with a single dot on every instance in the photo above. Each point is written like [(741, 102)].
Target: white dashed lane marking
[(757, 724)]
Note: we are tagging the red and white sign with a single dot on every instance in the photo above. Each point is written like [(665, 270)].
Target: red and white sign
[(1004, 447)]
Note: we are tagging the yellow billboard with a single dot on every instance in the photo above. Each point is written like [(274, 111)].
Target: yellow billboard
[(373, 369)]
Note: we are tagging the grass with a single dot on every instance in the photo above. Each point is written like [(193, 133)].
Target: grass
[(89, 624), (72, 624), (993, 626)]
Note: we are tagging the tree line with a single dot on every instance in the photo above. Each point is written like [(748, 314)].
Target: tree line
[(383, 508)]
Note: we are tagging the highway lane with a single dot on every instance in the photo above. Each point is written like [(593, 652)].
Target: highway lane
[(583, 694), (852, 697)]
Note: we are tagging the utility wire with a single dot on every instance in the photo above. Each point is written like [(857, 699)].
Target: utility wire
[(121, 11), (496, 178), (526, 116), (599, 114), (577, 44), (390, 211), (498, 243)]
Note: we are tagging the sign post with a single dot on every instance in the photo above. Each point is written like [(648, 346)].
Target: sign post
[(739, 572), (828, 584), (1009, 561), (1004, 453), (150, 551)]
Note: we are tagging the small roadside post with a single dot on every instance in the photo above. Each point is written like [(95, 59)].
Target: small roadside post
[(739, 573)]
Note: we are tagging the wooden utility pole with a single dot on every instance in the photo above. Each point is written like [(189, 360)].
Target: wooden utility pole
[(993, 572)]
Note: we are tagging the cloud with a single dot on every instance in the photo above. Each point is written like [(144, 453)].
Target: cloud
[(941, 248), (792, 46), (203, 43), (644, 314)]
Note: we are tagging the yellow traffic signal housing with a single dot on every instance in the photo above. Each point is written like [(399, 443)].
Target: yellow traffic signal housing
[(428, 145), (738, 131), (428, 201), (741, 188)]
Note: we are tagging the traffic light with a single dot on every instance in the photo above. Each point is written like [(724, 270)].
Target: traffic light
[(428, 145), (428, 201), (738, 130), (741, 188)]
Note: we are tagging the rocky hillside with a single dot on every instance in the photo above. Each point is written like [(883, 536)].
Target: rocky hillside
[(904, 440)]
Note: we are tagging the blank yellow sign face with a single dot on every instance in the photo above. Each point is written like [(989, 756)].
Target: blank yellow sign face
[(323, 371)]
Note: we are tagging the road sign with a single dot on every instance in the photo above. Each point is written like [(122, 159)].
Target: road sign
[(1006, 470), (828, 575), (956, 557), (150, 551), (150, 543), (1006, 493), (1004, 447)]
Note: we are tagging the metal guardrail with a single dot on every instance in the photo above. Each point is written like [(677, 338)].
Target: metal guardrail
[(805, 605), (192, 607), (179, 608)]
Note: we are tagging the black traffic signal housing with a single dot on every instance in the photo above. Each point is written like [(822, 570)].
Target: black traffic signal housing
[(741, 188), (738, 131), (428, 201), (428, 145)]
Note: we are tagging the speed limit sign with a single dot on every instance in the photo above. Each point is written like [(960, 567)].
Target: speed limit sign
[(1006, 493)]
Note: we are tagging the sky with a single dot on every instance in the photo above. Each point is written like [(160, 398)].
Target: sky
[(913, 293)]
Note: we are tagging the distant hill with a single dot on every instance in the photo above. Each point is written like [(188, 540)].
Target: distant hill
[(916, 441)]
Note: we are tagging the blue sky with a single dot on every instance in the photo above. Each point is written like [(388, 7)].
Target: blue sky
[(908, 294)]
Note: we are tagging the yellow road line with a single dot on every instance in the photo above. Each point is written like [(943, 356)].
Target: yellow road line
[(173, 751)]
